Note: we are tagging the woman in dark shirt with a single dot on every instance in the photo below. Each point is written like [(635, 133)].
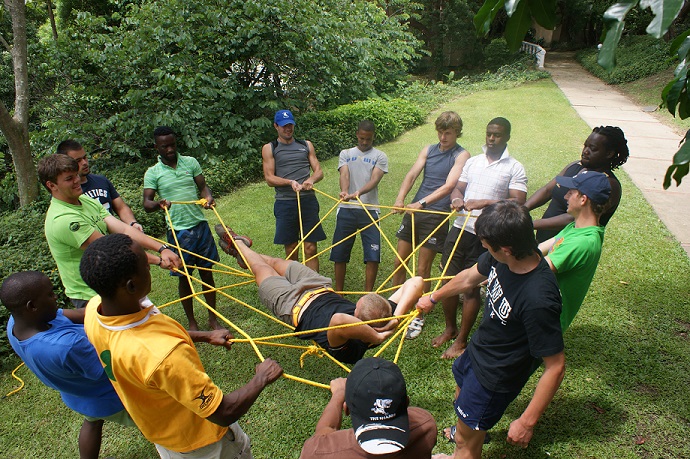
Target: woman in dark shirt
[(604, 150)]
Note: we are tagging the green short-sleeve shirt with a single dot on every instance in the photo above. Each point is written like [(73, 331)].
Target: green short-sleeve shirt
[(67, 227), (575, 254), (177, 184)]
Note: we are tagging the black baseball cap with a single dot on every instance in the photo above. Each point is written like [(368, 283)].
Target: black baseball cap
[(376, 395)]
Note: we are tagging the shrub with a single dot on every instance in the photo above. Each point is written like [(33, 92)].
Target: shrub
[(333, 130), (636, 57)]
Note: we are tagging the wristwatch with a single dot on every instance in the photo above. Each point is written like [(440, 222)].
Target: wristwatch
[(163, 247), (422, 202)]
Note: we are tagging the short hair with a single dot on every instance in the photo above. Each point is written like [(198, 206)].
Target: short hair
[(19, 288), (615, 140), (500, 121), (374, 306), (162, 131), (49, 167), (366, 125), (68, 145), (449, 120), (107, 263), (507, 224), (598, 209)]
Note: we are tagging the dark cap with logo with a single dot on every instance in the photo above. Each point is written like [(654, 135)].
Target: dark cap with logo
[(376, 395), (594, 185)]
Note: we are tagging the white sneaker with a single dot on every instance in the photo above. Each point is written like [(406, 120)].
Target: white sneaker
[(415, 328)]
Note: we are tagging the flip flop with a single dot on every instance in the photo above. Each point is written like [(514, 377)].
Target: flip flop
[(451, 437)]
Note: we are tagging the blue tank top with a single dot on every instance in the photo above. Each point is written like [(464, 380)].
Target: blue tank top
[(436, 169)]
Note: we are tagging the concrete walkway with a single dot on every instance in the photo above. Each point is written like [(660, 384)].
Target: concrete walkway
[(651, 143)]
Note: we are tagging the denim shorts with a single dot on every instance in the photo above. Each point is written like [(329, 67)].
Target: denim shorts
[(199, 241), (287, 220), (347, 223)]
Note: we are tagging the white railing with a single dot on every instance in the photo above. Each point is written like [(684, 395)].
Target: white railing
[(537, 51)]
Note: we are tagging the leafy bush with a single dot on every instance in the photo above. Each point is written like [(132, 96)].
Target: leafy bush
[(497, 54), (636, 57), (331, 131)]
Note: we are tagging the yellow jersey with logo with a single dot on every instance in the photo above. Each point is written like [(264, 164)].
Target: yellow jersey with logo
[(155, 369)]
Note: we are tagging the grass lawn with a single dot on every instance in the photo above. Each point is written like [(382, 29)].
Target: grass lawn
[(625, 392)]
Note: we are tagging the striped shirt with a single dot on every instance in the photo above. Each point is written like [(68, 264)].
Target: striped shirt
[(177, 184)]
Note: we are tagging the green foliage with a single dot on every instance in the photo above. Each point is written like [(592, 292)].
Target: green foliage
[(675, 94), (213, 71), (637, 57), (448, 36), (331, 130), (497, 54)]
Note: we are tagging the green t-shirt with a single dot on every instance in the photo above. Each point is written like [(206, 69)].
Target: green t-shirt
[(67, 227), (177, 185), (575, 254)]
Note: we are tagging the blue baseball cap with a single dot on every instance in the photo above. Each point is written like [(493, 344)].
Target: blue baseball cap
[(283, 117), (594, 185)]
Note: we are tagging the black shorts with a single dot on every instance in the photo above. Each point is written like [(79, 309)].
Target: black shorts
[(424, 225), (466, 254)]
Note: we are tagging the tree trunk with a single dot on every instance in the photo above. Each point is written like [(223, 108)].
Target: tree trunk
[(16, 128), (51, 15)]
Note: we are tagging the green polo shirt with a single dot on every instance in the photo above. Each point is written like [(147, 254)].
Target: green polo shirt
[(177, 184), (67, 227)]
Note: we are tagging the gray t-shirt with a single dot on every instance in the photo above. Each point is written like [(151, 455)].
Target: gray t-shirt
[(436, 169), (361, 165), (292, 163)]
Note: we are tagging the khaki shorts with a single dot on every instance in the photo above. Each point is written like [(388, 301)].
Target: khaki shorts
[(280, 294), (235, 444)]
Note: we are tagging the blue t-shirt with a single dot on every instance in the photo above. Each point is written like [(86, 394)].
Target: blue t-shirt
[(64, 359), (100, 188)]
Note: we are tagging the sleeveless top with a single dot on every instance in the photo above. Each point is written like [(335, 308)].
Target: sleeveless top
[(292, 163), (436, 169), (559, 206)]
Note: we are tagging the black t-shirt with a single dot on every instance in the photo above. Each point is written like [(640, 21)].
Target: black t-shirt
[(318, 315), (521, 324), (559, 206)]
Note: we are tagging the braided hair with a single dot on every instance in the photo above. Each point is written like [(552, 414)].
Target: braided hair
[(615, 140)]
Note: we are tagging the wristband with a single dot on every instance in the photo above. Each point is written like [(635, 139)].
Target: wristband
[(431, 298), (163, 247), (133, 223), (160, 261)]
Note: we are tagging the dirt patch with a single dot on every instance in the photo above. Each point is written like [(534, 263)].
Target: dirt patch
[(685, 329)]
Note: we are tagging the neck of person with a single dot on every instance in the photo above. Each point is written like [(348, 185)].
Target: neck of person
[(72, 201), (286, 142), (524, 265), (83, 179), (24, 329), (119, 305), (586, 218), (494, 155)]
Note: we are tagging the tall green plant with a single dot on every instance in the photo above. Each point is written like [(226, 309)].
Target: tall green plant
[(675, 95)]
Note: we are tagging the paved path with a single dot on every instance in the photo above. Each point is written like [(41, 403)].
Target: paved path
[(652, 144)]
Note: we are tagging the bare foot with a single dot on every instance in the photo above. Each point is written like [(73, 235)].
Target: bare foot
[(193, 326), (447, 335), (455, 350), (214, 325)]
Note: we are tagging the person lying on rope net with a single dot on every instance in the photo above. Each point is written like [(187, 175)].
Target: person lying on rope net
[(301, 297)]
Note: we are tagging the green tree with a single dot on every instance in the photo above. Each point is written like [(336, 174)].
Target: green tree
[(215, 70), (675, 95)]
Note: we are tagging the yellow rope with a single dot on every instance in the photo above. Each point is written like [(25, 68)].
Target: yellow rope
[(313, 349), (14, 375)]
